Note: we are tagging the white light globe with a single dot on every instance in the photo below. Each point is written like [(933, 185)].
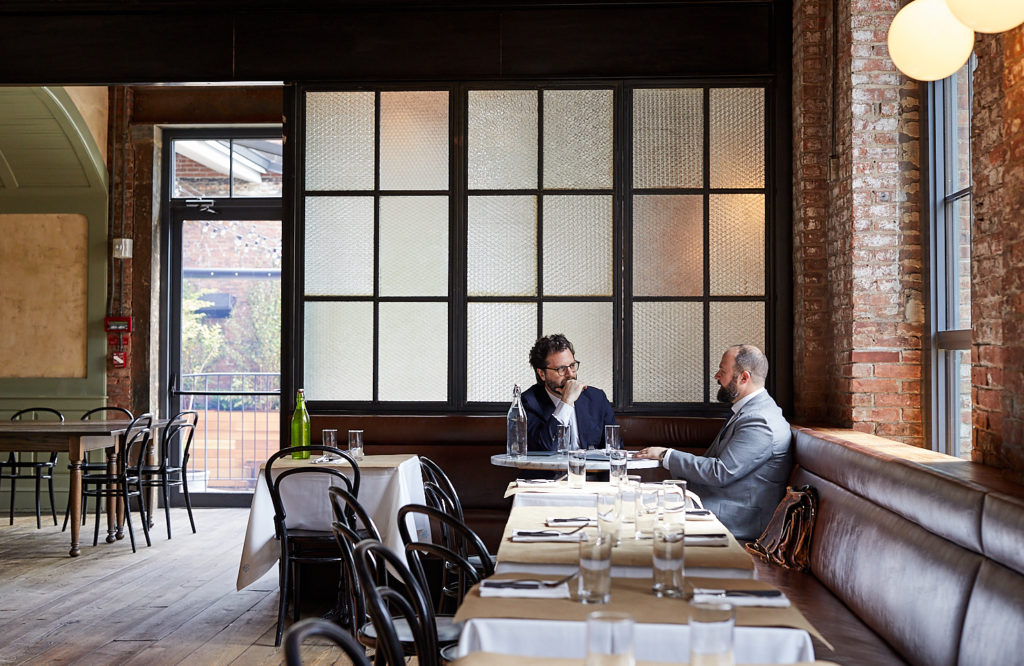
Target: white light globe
[(928, 43), (988, 15)]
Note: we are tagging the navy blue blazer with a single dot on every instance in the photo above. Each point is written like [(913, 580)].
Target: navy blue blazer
[(593, 413)]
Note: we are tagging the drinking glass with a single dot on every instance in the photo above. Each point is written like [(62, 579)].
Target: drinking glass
[(711, 634), (616, 466), (611, 438), (595, 579), (577, 468), (329, 437), (667, 560), (609, 639), (649, 499), (675, 502), (609, 512), (355, 444), (561, 437), (630, 487)]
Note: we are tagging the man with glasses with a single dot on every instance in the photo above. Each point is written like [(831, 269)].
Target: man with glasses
[(558, 397), (742, 476)]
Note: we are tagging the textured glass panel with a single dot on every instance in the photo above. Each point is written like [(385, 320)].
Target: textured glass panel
[(589, 328), (414, 246), (737, 244), (339, 141), (414, 140), (502, 139), (578, 245), (413, 351), (668, 138), (668, 245), (499, 338), (502, 242), (339, 246), (339, 351), (737, 137), (735, 323), (668, 352), (577, 138)]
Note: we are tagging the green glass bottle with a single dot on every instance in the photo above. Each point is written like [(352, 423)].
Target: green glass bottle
[(300, 425)]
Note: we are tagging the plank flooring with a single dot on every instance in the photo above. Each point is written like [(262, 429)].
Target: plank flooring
[(172, 603)]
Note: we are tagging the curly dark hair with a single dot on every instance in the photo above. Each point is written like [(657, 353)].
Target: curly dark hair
[(544, 347)]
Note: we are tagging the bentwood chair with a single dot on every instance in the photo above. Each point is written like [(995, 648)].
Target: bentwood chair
[(126, 481), (300, 631), (41, 470), (167, 472), (351, 610), (89, 466), (301, 546)]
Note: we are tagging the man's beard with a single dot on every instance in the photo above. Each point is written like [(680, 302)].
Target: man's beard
[(728, 392), (556, 387)]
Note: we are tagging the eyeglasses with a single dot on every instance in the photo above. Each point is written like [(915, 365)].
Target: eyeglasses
[(564, 369)]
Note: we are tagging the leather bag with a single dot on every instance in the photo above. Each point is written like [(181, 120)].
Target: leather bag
[(786, 540)]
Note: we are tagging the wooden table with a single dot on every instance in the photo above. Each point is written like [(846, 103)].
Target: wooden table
[(75, 437)]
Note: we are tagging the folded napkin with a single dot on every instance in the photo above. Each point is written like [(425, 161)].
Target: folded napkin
[(535, 536), (763, 598), (525, 483), (325, 459), (707, 540), (699, 514), (571, 522), (523, 589)]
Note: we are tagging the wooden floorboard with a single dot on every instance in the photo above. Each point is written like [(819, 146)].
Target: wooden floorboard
[(172, 603)]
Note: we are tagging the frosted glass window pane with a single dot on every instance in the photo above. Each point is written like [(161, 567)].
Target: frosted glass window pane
[(339, 141), (577, 138), (668, 138), (502, 246), (414, 246), (668, 352), (339, 246), (734, 324), (737, 244), (499, 338), (589, 328), (413, 361), (578, 245), (737, 137), (414, 140), (668, 245), (502, 139), (339, 351)]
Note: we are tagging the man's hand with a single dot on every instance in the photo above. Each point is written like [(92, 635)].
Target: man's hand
[(572, 390), (651, 452)]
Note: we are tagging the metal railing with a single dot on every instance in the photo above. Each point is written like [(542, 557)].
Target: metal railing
[(237, 430)]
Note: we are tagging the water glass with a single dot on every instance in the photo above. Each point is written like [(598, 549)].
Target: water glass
[(577, 468), (616, 466), (650, 500), (629, 488), (355, 444), (611, 438), (609, 639), (561, 437), (595, 579), (711, 634), (609, 512), (675, 502), (329, 437), (667, 560)]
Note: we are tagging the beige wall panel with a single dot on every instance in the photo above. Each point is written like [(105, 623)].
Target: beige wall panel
[(43, 270), (92, 104)]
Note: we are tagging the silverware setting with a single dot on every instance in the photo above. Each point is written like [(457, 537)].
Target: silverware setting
[(543, 533), (737, 593), (528, 583)]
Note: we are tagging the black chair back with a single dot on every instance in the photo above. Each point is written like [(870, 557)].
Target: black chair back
[(182, 427), (300, 631), (348, 511), (34, 412), (443, 482), (136, 445), (275, 479), (108, 413), (407, 600)]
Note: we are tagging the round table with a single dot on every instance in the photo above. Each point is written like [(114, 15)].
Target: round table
[(560, 462)]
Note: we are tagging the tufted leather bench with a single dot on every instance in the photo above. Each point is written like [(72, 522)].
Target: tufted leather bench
[(917, 557)]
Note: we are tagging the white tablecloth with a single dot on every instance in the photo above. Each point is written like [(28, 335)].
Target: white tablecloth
[(652, 642), (382, 491)]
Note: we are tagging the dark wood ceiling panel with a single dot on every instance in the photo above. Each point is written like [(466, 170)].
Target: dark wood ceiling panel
[(206, 104)]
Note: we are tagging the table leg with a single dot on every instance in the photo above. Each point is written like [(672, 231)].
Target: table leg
[(112, 501), (76, 505)]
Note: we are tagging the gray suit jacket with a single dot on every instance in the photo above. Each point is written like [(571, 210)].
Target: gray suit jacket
[(742, 476)]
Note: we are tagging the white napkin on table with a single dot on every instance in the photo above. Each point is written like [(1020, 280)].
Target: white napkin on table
[(539, 592), (707, 540), (536, 536), (701, 596), (555, 521), (526, 483)]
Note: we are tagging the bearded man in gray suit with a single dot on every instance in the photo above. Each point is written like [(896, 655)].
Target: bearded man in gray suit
[(742, 476)]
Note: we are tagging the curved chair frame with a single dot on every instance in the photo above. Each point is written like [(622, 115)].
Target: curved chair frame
[(90, 466), (300, 631), (43, 469), (162, 475)]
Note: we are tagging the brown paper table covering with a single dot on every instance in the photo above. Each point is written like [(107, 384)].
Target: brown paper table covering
[(633, 596), (495, 659), (629, 552)]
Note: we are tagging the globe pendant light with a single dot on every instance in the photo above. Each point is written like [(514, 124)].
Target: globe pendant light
[(928, 43), (988, 15)]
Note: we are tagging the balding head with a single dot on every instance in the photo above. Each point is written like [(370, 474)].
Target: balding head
[(748, 358)]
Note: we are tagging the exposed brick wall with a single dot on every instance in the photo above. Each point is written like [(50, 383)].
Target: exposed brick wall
[(119, 279), (997, 268)]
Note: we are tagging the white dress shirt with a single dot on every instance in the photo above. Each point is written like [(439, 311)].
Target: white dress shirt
[(566, 415)]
